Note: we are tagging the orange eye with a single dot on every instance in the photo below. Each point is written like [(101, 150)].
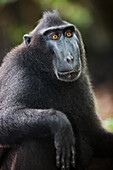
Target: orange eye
[(55, 37), (69, 34)]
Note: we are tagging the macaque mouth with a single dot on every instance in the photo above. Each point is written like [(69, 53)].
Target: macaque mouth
[(69, 76)]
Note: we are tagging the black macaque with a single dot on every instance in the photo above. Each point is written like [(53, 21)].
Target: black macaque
[(48, 118)]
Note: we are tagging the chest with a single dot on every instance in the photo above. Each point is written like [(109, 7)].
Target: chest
[(60, 97)]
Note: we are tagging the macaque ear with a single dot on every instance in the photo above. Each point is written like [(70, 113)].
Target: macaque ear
[(27, 39)]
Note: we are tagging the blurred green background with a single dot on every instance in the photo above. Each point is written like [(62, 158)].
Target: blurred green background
[(95, 21)]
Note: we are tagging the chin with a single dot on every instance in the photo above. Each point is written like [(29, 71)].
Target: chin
[(68, 76)]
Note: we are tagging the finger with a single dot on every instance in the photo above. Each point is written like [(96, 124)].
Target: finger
[(73, 156), (63, 159), (58, 154), (68, 159)]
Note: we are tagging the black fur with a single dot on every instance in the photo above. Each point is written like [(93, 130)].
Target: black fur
[(27, 84)]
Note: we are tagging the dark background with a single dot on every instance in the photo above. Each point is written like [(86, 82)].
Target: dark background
[(94, 18)]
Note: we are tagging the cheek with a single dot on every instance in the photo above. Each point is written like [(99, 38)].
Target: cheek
[(74, 47), (54, 68)]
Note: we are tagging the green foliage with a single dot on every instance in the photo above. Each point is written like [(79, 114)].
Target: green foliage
[(16, 32), (108, 124), (73, 12), (3, 2)]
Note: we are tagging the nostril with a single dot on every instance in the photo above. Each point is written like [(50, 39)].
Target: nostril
[(72, 59), (68, 60)]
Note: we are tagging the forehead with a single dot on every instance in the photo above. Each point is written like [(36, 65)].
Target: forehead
[(60, 27)]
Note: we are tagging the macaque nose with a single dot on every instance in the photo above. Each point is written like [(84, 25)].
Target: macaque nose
[(70, 59)]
